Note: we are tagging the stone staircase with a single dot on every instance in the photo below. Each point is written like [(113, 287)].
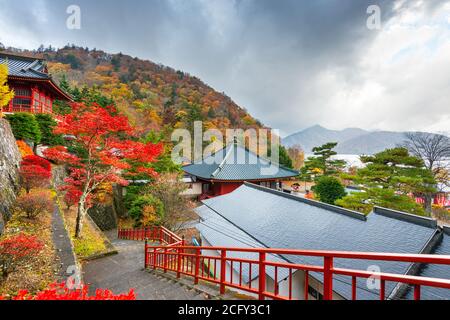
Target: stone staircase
[(125, 271)]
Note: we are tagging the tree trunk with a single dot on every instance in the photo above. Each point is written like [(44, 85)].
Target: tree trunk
[(428, 203), (80, 217)]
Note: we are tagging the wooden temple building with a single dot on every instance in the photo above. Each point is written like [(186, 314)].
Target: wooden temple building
[(35, 90), (229, 168)]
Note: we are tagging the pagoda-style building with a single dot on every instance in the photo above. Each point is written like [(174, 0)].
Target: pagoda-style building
[(35, 90), (229, 168)]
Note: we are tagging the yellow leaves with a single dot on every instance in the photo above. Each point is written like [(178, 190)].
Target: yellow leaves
[(103, 193), (248, 120), (181, 114), (317, 171), (6, 94), (57, 68), (122, 91), (154, 116), (149, 216), (103, 69)]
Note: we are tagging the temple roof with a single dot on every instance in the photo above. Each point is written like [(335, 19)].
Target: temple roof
[(31, 69), (237, 163), (275, 219)]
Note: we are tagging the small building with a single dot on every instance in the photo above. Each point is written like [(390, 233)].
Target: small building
[(256, 217), (35, 90), (228, 169)]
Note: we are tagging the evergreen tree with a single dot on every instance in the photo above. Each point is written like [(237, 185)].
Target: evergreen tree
[(322, 163), (24, 127), (46, 125), (390, 179), (329, 189)]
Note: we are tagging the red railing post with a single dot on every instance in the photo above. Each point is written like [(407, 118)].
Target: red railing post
[(165, 260), (417, 292), (197, 265), (382, 289), (155, 259), (328, 278), (353, 288), (223, 270), (179, 260), (262, 275), (146, 255)]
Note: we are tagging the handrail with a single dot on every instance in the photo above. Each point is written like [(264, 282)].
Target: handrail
[(220, 269), (228, 271), (157, 233)]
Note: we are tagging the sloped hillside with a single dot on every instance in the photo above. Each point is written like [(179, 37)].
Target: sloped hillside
[(152, 95)]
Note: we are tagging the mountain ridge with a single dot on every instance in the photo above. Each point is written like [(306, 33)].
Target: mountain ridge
[(153, 96), (350, 140)]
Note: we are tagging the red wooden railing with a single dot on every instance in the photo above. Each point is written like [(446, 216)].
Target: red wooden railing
[(191, 262), (160, 234), (220, 269), (26, 108)]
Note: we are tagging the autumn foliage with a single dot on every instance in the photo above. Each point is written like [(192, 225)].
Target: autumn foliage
[(109, 150), (61, 292), (34, 176), (34, 172), (24, 148), (35, 203), (16, 251)]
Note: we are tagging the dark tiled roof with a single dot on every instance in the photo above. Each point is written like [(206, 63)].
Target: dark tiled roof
[(236, 163), (219, 232), (436, 271), (278, 220), (24, 67)]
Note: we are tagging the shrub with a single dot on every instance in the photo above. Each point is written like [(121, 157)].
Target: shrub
[(329, 189), (34, 176), (25, 150), (36, 160), (35, 203), (61, 292), (24, 127), (147, 209), (16, 251)]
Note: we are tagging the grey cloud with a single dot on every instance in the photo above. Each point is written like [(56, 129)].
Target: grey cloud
[(265, 54)]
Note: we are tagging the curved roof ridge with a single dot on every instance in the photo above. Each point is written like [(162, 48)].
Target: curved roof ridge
[(227, 155)]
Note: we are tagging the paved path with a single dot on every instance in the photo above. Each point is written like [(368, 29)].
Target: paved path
[(119, 273), (63, 246)]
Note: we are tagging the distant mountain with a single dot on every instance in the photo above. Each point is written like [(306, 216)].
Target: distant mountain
[(350, 141), (318, 135)]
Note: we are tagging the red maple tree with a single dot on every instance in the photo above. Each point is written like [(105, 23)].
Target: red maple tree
[(16, 251), (36, 161), (34, 176), (34, 172), (110, 150)]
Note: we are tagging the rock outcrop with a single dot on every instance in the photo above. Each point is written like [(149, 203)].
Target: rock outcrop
[(9, 171)]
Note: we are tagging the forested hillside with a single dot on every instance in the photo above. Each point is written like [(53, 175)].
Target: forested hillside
[(154, 97)]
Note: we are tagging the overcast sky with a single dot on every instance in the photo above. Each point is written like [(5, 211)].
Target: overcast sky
[(292, 64)]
